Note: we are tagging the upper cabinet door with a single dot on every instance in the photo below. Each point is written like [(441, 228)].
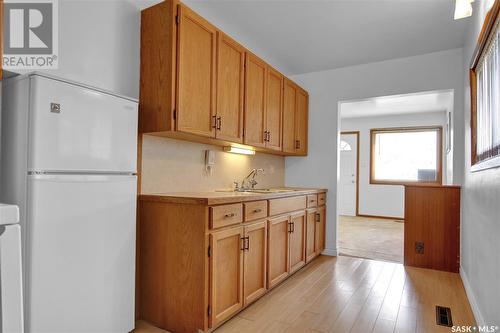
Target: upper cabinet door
[(230, 89), (301, 122), (274, 109), (255, 101), (196, 74), (289, 109)]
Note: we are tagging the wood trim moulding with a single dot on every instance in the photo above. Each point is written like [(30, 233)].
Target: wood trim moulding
[(488, 25), (382, 217), (357, 133)]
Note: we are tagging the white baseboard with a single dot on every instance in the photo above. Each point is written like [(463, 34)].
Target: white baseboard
[(472, 299), (329, 252)]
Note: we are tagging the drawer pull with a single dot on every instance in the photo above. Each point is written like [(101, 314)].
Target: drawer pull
[(230, 215), (258, 210)]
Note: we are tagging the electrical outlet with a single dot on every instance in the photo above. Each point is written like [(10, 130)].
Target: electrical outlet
[(419, 247)]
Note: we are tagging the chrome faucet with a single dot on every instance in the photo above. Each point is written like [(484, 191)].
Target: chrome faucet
[(251, 183)]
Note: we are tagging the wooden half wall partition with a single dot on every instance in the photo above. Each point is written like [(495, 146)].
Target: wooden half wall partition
[(432, 227)]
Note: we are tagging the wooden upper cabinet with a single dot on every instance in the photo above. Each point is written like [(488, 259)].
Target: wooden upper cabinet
[(196, 74), (230, 89), (297, 241), (226, 270), (255, 261), (289, 109), (255, 101), (198, 84), (278, 250), (274, 109), (301, 122)]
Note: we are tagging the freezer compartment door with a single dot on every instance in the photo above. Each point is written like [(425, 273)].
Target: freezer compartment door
[(81, 268), (73, 128)]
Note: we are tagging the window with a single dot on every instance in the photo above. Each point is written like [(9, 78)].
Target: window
[(485, 95), (345, 146), (406, 155)]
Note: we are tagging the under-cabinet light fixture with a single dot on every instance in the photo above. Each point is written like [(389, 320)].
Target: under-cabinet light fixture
[(237, 150), (463, 9)]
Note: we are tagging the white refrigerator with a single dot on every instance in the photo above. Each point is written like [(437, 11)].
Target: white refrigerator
[(69, 156)]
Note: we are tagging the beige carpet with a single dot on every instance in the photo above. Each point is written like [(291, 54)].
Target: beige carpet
[(371, 238)]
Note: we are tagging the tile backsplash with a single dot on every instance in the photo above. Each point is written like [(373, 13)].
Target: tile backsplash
[(170, 165)]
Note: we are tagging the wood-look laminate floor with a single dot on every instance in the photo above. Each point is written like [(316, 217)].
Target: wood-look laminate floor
[(346, 294), (372, 238)]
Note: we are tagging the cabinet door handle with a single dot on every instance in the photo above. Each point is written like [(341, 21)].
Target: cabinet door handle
[(243, 243), (265, 136), (219, 123), (230, 215), (258, 210), (289, 227), (247, 238), (297, 144), (214, 122), (268, 136), (318, 217)]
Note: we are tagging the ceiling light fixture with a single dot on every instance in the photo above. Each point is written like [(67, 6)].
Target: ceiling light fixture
[(237, 150), (463, 9)]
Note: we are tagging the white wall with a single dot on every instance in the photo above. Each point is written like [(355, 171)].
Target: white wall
[(386, 200), (99, 45), (434, 71), (480, 230)]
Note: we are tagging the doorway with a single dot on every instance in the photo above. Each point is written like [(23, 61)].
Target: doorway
[(384, 143)]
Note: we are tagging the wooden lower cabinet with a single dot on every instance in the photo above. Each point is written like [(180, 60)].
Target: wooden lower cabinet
[(255, 261), (226, 273), (320, 230), (200, 263), (278, 254), (311, 216), (297, 240)]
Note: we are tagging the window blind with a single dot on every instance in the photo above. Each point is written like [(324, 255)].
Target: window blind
[(488, 98)]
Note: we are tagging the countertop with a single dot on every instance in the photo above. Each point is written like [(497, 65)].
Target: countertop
[(222, 197)]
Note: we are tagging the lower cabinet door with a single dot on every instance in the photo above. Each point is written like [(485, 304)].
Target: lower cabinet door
[(255, 261), (320, 229), (311, 234), (297, 240), (226, 269), (278, 251)]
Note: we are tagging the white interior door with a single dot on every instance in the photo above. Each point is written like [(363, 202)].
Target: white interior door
[(81, 266), (348, 170)]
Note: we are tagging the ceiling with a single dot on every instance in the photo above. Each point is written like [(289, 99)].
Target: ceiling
[(398, 104), (304, 36)]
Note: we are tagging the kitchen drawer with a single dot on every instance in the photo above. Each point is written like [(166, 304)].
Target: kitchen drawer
[(255, 210), (321, 199), (312, 200), (285, 205), (221, 216)]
